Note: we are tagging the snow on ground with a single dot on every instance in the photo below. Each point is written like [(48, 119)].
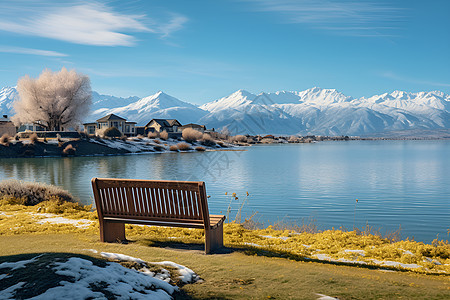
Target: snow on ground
[(186, 274), (139, 145), (325, 297), (18, 264), (89, 280), (55, 219)]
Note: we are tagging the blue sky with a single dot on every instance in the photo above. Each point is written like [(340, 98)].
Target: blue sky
[(199, 50)]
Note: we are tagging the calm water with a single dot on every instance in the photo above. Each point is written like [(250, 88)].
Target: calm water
[(397, 183)]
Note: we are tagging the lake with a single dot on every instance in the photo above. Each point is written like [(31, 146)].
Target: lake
[(397, 183)]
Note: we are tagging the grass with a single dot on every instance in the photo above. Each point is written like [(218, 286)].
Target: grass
[(256, 264), (238, 275), (183, 146)]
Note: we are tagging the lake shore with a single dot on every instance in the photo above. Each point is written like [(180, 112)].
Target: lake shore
[(101, 147)]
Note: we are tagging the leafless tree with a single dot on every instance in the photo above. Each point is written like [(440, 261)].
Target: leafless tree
[(55, 100)]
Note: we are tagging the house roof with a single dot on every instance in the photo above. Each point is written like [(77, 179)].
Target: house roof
[(111, 117), (165, 122), (192, 125)]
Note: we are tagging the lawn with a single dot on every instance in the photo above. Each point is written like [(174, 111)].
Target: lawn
[(255, 264)]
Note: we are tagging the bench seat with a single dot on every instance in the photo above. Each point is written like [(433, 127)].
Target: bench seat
[(155, 203)]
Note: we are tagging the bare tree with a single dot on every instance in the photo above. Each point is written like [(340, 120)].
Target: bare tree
[(55, 100)]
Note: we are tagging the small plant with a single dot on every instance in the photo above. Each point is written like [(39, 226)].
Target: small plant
[(183, 147), (207, 140), (69, 150), (173, 148), (239, 139), (33, 138), (156, 141), (124, 138), (112, 132), (200, 148), (164, 135), (4, 140), (240, 203), (191, 135), (31, 193), (153, 135), (158, 148), (17, 137)]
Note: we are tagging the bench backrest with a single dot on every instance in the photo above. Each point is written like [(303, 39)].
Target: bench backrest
[(152, 200)]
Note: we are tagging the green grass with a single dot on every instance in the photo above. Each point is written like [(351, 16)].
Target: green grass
[(276, 269)]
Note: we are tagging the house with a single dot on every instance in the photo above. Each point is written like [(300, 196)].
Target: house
[(171, 126), (111, 120), (160, 125), (6, 126), (201, 128)]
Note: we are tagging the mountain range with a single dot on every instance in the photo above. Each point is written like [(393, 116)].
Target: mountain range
[(314, 111)]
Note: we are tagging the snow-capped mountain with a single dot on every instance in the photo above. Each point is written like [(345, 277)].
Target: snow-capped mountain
[(159, 105), (328, 112), (7, 96), (313, 111)]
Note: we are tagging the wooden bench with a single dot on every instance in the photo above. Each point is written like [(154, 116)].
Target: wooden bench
[(151, 202)]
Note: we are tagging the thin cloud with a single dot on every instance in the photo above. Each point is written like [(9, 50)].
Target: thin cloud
[(176, 23), (20, 50), (391, 75), (86, 23), (352, 18)]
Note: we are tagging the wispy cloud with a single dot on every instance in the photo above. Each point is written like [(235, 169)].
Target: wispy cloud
[(393, 76), (346, 17), (85, 23), (20, 50), (175, 23)]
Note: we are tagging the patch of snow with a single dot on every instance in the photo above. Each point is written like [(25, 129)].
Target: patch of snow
[(326, 257), (359, 252), (325, 297), (395, 264), (54, 219), (434, 261), (121, 257), (284, 238), (119, 281), (18, 264), (10, 292), (186, 274), (252, 244)]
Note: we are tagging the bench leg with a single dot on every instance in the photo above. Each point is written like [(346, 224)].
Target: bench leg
[(214, 239), (112, 232)]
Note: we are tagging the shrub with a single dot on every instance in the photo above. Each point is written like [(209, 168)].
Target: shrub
[(294, 139), (158, 148), (183, 147), (157, 141), (191, 135), (239, 138), (153, 135), (207, 140), (112, 132), (17, 137), (69, 150), (31, 193), (164, 135), (124, 138), (33, 138), (4, 140), (173, 148), (200, 148)]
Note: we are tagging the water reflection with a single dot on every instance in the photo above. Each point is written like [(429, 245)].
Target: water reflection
[(397, 182)]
